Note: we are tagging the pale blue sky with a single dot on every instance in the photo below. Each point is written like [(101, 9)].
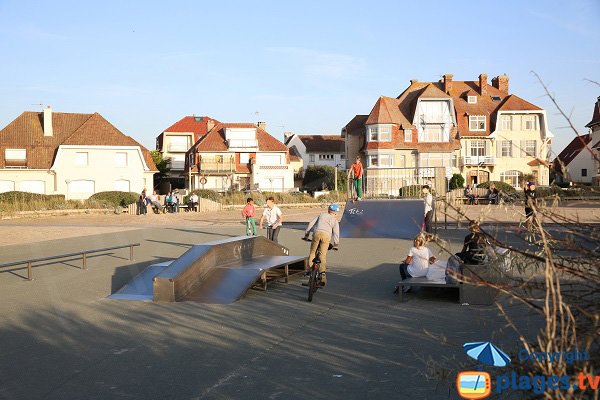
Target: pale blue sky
[(306, 67)]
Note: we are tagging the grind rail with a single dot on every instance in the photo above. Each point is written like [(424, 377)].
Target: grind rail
[(84, 255)]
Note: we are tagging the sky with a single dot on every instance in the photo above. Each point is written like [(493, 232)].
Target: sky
[(304, 67)]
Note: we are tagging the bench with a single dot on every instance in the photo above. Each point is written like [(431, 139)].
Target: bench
[(470, 293)]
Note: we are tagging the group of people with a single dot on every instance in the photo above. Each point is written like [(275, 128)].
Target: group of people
[(325, 230), (172, 202), (472, 198)]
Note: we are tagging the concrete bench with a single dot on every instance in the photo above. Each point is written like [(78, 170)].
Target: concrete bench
[(424, 282)]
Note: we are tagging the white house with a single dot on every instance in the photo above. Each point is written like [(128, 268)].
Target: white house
[(318, 149), (72, 154), (239, 156)]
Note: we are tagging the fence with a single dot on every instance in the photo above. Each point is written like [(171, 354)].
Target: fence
[(204, 205), (401, 182), (29, 263)]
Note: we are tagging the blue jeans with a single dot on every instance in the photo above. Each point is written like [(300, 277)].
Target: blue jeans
[(404, 274)]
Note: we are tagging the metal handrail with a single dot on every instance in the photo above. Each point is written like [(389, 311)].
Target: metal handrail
[(83, 253)]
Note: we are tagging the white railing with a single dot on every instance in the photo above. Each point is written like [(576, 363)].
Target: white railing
[(177, 164), (177, 148), (242, 143), (272, 166), (476, 160)]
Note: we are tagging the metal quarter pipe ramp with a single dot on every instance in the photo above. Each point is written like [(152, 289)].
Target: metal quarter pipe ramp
[(386, 218)]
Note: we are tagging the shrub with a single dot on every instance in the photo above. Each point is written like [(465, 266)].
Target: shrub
[(17, 197), (333, 197), (411, 191), (501, 186), (457, 181), (206, 194), (115, 198)]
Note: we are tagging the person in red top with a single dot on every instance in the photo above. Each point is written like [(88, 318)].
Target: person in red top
[(356, 172), (249, 212)]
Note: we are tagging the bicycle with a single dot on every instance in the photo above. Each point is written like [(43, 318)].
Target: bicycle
[(314, 273)]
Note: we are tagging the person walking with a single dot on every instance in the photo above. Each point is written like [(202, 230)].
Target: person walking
[(273, 216), (248, 213), (530, 203), (325, 230), (428, 199), (356, 173)]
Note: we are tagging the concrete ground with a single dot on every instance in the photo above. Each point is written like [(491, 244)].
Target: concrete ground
[(62, 339)]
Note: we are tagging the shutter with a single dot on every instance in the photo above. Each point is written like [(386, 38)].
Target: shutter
[(499, 148), (514, 149), (523, 154)]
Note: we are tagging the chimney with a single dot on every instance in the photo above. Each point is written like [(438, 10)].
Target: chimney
[(413, 81), (48, 121), (483, 84), (209, 125), (447, 79), (262, 125), (287, 136), (501, 83)]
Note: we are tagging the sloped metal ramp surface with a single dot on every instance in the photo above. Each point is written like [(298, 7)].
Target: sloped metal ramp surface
[(218, 272), (393, 218), (140, 287)]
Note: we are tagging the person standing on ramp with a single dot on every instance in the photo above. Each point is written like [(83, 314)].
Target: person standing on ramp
[(356, 172), (326, 231)]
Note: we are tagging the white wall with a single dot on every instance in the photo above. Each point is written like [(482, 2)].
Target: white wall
[(583, 160)]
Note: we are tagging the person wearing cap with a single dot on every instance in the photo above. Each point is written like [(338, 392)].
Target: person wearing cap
[(326, 230), (530, 201), (356, 172)]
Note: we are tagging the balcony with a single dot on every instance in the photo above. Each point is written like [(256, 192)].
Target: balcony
[(233, 144), (479, 160), (216, 164), (177, 148)]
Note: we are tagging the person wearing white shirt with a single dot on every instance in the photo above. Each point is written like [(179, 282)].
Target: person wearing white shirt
[(428, 198), (272, 214), (417, 261)]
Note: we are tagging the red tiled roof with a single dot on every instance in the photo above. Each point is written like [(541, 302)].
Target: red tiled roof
[(323, 143), (596, 117), (356, 123), (26, 131), (215, 139), (515, 103), (573, 149), (194, 124), (380, 114)]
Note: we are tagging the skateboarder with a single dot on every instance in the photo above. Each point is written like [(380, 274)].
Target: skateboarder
[(356, 172)]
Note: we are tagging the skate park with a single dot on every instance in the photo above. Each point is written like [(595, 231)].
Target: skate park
[(65, 339)]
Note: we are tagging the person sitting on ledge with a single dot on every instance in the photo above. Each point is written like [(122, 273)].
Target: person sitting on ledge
[(475, 247), (417, 262)]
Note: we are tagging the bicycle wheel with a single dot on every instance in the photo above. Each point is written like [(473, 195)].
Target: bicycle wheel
[(312, 282)]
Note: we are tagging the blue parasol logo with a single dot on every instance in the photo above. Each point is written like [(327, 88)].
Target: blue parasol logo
[(487, 353)]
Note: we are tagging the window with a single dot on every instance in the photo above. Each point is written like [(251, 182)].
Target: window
[(342, 156), (33, 186), (506, 121), (179, 143), (506, 148), (477, 148), (380, 133), (477, 122), (403, 161), (530, 148), (81, 159), (583, 171), (513, 177), (121, 159), (435, 160), (529, 122), (433, 133), (81, 186), (244, 158), (381, 160), (408, 135), (472, 99), (15, 154), (7, 186), (311, 158), (325, 156)]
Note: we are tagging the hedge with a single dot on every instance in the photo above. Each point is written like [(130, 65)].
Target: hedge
[(115, 198), (501, 186), (25, 197)]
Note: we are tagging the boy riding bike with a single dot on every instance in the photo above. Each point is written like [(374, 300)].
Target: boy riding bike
[(326, 231)]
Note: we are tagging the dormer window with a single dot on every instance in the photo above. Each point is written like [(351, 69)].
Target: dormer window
[(477, 122), (15, 154), (472, 99)]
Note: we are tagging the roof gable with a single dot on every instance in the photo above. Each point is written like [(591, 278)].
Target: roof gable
[(596, 117), (573, 149), (323, 143), (214, 140), (515, 103)]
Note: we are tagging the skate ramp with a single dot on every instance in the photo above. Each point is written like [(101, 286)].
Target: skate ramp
[(218, 272), (386, 218)]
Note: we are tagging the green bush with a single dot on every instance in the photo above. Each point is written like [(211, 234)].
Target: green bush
[(332, 197), (25, 197), (549, 191), (115, 198), (457, 181), (411, 191), (501, 186), (206, 194)]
